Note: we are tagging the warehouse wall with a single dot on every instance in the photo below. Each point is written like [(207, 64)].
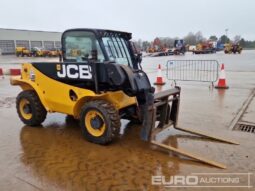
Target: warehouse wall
[(11, 38)]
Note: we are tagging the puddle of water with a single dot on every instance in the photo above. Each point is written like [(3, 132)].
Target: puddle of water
[(57, 153)]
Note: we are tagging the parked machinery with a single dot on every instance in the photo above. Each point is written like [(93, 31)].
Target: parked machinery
[(230, 48), (157, 46), (37, 52), (179, 47), (22, 51), (207, 47), (53, 52)]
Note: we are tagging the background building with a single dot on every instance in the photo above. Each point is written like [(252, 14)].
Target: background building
[(12, 38)]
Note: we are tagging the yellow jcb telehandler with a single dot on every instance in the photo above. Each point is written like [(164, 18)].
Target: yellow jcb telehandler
[(99, 86)]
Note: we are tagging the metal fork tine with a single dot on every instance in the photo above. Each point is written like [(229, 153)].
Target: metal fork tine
[(190, 155), (206, 135)]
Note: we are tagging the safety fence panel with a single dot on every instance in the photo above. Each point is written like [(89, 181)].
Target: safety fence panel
[(193, 70)]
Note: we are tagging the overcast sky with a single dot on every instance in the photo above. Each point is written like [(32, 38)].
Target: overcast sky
[(146, 19)]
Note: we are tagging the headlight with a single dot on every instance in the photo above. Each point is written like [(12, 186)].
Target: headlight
[(32, 75)]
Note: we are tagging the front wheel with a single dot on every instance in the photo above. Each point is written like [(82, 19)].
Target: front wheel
[(30, 109), (99, 121)]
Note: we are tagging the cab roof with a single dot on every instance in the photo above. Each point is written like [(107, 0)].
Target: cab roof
[(104, 32)]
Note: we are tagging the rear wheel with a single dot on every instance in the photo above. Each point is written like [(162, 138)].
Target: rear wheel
[(100, 122), (30, 109)]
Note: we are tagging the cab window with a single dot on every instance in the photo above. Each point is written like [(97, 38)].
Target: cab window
[(82, 46), (116, 49)]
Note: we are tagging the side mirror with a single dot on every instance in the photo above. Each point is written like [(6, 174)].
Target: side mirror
[(139, 57)]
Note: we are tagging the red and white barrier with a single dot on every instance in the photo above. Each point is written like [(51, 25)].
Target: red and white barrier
[(1, 73), (15, 72)]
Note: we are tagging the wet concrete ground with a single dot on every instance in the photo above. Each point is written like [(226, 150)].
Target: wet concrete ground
[(56, 157)]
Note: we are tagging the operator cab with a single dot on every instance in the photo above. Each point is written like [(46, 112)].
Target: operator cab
[(102, 60), (96, 45)]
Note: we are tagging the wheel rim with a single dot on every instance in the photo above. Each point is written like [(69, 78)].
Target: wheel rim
[(25, 109), (95, 124)]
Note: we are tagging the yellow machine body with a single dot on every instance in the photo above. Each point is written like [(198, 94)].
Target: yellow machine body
[(55, 96)]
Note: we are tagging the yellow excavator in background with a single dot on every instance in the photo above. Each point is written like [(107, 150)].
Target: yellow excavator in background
[(230, 48), (22, 51)]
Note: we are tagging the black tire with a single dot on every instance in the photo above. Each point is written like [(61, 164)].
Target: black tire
[(36, 109), (111, 120)]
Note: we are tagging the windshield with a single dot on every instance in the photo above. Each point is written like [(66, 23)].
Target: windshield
[(82, 46), (116, 49)]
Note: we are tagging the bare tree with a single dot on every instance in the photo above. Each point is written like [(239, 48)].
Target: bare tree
[(190, 39), (199, 37), (167, 41), (237, 38), (145, 45)]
